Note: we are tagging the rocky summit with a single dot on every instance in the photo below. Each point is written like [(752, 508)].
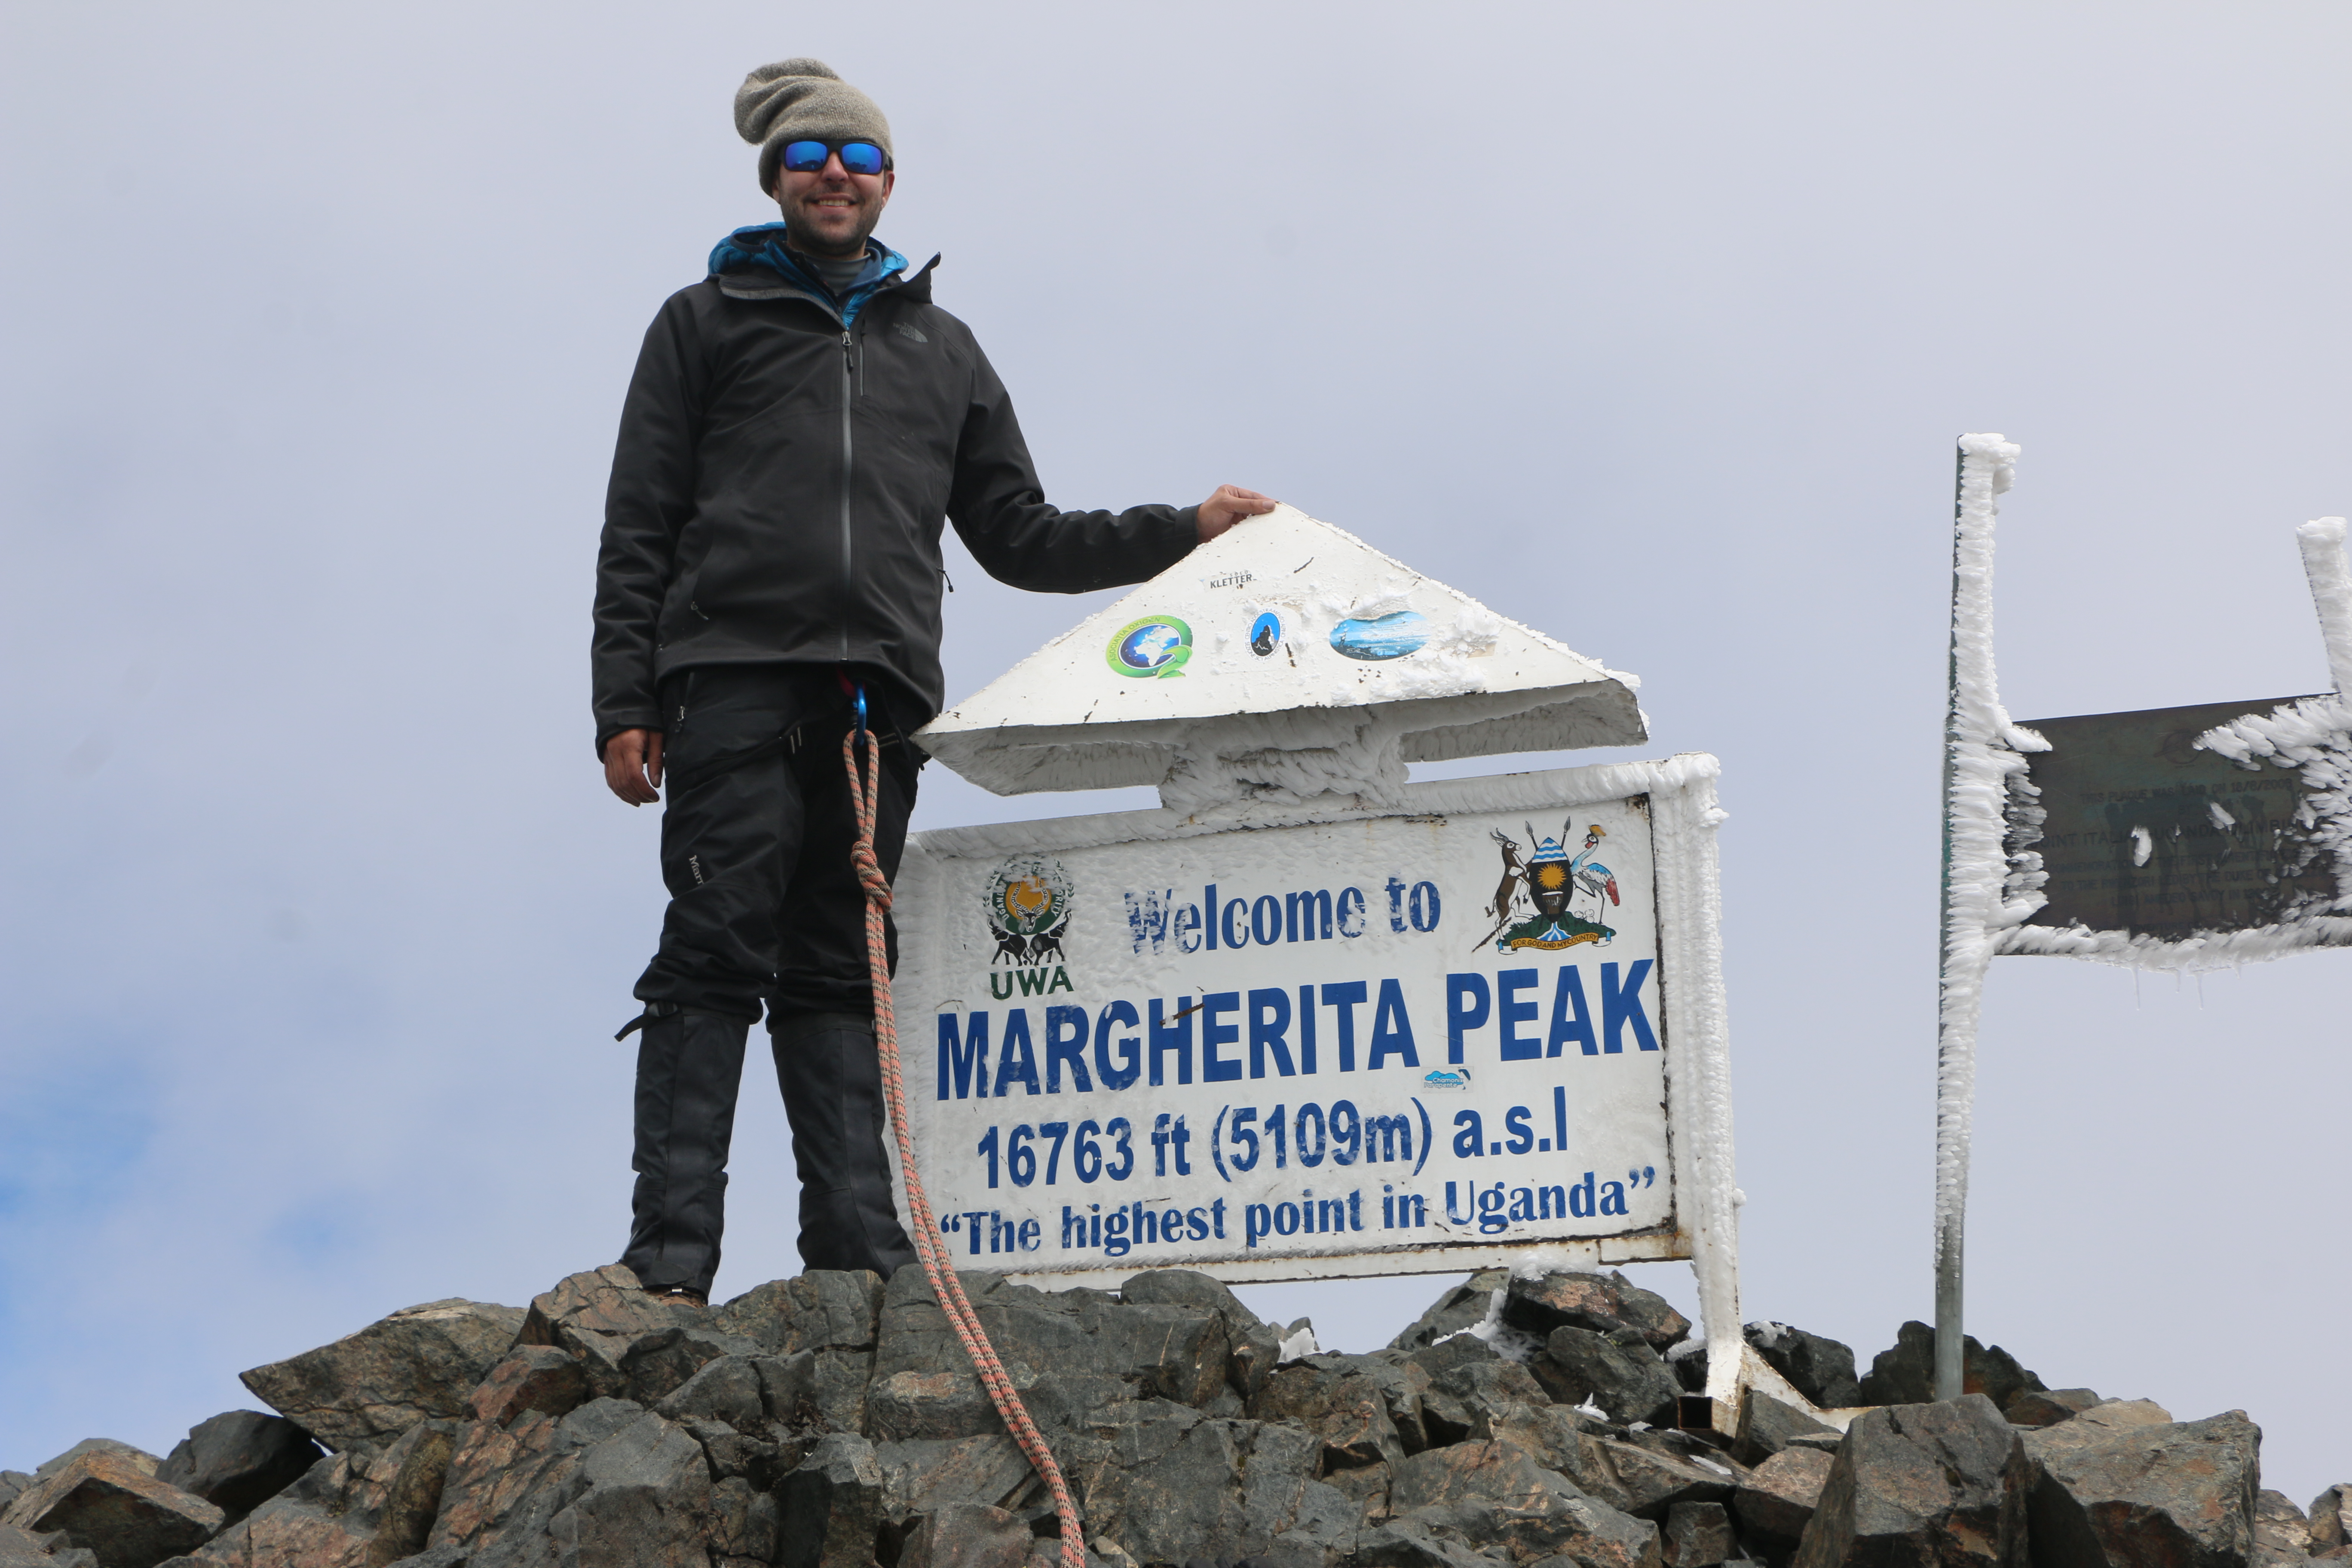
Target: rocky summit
[(830, 1421)]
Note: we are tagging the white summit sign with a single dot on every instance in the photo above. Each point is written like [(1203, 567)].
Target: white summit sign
[(1308, 1018)]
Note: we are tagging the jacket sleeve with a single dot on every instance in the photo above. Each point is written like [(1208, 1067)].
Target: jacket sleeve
[(646, 505), (1000, 512)]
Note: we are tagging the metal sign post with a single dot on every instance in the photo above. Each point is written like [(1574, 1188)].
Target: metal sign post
[(1978, 762), (1307, 1019), (2136, 839)]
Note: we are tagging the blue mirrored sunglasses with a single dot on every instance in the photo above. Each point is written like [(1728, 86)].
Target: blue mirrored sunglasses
[(857, 157)]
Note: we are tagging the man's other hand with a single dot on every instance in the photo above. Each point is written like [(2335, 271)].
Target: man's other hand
[(633, 765), (1226, 505)]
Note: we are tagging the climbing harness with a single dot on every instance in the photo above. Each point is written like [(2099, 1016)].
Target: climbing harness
[(865, 791)]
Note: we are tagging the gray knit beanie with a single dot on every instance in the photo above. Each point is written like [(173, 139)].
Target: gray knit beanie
[(803, 100)]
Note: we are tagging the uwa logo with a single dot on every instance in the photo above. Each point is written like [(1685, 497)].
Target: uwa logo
[(1028, 907)]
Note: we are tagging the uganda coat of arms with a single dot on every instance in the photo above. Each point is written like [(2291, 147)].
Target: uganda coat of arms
[(1544, 886), (1028, 905)]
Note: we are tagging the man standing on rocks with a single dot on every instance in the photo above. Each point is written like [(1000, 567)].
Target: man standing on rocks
[(801, 423)]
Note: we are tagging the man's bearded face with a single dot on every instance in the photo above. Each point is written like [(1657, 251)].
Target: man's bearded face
[(830, 211)]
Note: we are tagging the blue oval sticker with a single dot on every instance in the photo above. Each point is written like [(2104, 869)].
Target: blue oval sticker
[(1265, 635), (1387, 637)]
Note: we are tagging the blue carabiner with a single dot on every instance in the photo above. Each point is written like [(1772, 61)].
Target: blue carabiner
[(861, 711)]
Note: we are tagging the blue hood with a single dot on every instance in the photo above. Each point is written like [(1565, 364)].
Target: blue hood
[(763, 245)]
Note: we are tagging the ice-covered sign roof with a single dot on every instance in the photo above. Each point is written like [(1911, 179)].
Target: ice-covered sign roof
[(1284, 637)]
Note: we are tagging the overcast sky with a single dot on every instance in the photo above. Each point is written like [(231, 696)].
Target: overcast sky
[(1650, 326)]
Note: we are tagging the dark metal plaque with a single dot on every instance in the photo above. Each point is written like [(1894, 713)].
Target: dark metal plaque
[(2144, 833)]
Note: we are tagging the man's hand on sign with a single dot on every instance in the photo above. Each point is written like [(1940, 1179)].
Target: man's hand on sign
[(633, 765), (1227, 505)]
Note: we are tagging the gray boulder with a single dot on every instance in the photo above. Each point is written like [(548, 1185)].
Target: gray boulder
[(640, 1497), (909, 1407), (1599, 1302), (530, 1377), (358, 1509), (602, 1319), (2106, 1490), (1767, 1425), (2331, 1518), (1367, 1487), (1905, 1374), (1402, 1382), (746, 1523), (733, 1455), (1698, 1535), (418, 1364), (1340, 1404), (1617, 1373), (1496, 1497), (819, 1391), (1562, 1440), (1819, 1369), (1256, 1351), (927, 1475), (1467, 1395), (1170, 1350), (1777, 1500), (22, 1549), (103, 1502), (1417, 1541), (2282, 1533), (2116, 1413), (2049, 1406), (1254, 1344), (1648, 1480), (239, 1459), (660, 1364), (727, 1389), (1189, 1288), (12, 1484), (1941, 1483), (1463, 1307), (833, 1506), (1167, 1483), (418, 1468), (435, 1557), (612, 1476), (967, 1535), (822, 1310), (496, 1472), (139, 1459)]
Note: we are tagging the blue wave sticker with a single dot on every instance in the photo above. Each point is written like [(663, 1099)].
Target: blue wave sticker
[(1389, 637)]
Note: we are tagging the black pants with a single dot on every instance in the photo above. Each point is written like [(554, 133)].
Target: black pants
[(765, 909), (764, 905)]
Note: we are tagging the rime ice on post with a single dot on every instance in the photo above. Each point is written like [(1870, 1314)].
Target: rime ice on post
[(2153, 867), (1308, 1018), (1982, 752)]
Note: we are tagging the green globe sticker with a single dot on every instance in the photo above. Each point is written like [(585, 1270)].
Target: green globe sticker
[(1157, 645)]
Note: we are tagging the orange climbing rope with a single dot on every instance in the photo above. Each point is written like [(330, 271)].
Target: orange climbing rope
[(864, 789)]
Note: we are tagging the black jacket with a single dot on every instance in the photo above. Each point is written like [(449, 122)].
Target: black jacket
[(780, 483)]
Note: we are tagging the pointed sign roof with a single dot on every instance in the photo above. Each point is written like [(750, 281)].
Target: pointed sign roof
[(1283, 615)]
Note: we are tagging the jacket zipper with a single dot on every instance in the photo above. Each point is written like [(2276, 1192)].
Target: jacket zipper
[(848, 575)]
